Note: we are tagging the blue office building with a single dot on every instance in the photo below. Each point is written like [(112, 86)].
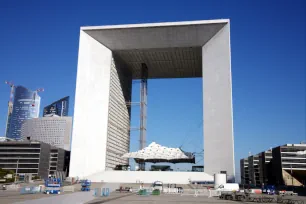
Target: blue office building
[(59, 107), (26, 106)]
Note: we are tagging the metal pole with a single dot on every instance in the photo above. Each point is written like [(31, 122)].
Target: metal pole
[(291, 174), (16, 170), (143, 110)]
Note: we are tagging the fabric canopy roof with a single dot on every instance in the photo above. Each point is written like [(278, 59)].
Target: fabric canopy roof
[(156, 153)]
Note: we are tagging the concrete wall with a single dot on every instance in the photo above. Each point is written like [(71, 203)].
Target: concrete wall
[(217, 111), (88, 146), (149, 177), (60, 160), (277, 176)]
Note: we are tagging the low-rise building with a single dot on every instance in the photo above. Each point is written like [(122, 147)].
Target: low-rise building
[(53, 130), (32, 157), (282, 165)]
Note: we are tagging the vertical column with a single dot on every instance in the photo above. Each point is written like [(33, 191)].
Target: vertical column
[(143, 109), (217, 102)]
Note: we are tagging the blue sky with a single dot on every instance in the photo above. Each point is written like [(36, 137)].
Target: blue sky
[(39, 47)]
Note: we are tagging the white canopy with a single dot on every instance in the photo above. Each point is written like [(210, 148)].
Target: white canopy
[(157, 152)]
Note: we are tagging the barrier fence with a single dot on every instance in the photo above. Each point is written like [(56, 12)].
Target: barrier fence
[(171, 191), (68, 189), (30, 190), (214, 193), (102, 192), (188, 192), (13, 187), (201, 192), (195, 192), (192, 192)]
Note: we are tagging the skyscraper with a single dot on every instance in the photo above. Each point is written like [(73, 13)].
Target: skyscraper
[(26, 106), (59, 107)]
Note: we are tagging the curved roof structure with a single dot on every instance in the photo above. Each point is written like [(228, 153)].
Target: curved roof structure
[(156, 153)]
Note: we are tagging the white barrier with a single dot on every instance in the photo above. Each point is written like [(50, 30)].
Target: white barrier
[(214, 193), (13, 187), (193, 192), (196, 192), (42, 188), (68, 189), (171, 191), (36, 189), (188, 192), (201, 192), (134, 189)]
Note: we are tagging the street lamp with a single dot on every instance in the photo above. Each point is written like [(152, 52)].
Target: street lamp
[(291, 174), (17, 169)]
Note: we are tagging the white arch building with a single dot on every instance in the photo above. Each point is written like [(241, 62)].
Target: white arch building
[(110, 58)]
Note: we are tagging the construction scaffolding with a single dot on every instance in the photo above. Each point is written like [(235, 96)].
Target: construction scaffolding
[(143, 105), (143, 110)]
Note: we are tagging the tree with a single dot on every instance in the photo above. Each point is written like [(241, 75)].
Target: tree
[(4, 172)]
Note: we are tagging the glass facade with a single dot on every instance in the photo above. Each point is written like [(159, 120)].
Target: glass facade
[(26, 106), (59, 107)]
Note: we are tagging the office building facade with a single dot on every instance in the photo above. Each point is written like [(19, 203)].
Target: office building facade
[(26, 106), (53, 130), (32, 157), (244, 171), (9, 116), (282, 165), (59, 107)]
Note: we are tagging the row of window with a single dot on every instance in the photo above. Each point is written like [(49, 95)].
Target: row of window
[(117, 135), (292, 149), (116, 105), (114, 157), (20, 146), (114, 148), (110, 162), (20, 150), (294, 166), (122, 123), (116, 144), (119, 108), (19, 165), (123, 128), (294, 160), (32, 155)]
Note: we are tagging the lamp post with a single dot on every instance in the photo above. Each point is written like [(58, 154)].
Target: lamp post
[(17, 169), (291, 174)]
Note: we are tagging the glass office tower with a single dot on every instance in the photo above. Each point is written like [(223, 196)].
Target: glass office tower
[(26, 106), (59, 107)]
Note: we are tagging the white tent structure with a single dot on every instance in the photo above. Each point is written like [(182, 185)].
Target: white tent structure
[(156, 153)]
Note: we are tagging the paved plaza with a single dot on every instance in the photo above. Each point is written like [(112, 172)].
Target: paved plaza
[(162, 199), (78, 197), (87, 197), (169, 199)]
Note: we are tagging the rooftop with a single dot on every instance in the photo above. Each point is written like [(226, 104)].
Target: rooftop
[(170, 50)]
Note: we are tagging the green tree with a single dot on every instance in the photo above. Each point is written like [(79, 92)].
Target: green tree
[(4, 172)]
